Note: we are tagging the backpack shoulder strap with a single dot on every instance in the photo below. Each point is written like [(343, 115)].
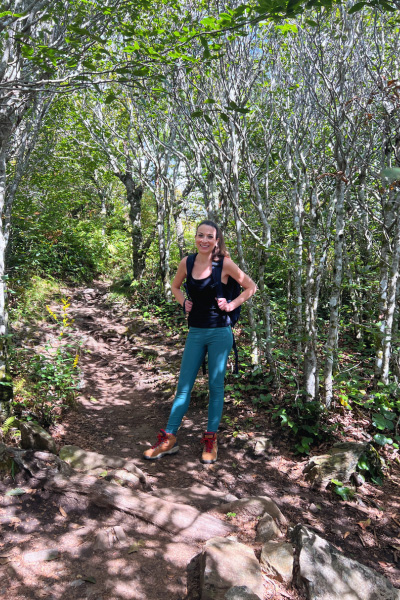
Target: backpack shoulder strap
[(217, 267), (189, 263)]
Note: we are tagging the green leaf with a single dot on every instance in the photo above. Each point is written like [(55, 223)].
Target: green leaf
[(363, 464), (356, 7), (377, 480), (381, 423), (196, 113), (207, 118), (110, 98), (344, 492), (382, 440)]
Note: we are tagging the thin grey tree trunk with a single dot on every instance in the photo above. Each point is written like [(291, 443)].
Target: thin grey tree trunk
[(333, 331), (391, 299), (5, 384), (310, 365), (252, 322), (161, 192)]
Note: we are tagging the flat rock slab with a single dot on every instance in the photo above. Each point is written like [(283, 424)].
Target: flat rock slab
[(196, 495), (83, 460), (339, 463), (277, 560), (256, 506), (226, 563), (324, 573)]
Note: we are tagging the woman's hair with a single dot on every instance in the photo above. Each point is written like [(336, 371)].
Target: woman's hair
[(220, 249)]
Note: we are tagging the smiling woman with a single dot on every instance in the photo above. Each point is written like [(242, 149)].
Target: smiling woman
[(209, 332)]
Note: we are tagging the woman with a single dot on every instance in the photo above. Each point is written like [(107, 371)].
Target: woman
[(209, 331)]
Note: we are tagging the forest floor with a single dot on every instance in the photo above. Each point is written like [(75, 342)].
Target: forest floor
[(126, 394)]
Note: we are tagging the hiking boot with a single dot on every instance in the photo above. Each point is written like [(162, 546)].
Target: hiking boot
[(166, 444), (210, 449)]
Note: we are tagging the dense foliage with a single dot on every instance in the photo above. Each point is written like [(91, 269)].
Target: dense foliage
[(279, 121)]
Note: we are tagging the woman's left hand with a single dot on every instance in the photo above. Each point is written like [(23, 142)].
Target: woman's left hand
[(223, 304)]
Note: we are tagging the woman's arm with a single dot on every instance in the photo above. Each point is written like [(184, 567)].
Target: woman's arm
[(248, 285), (176, 285)]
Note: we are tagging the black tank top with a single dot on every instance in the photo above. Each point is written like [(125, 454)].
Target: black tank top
[(205, 312)]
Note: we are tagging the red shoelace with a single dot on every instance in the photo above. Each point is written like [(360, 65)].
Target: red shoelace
[(161, 437), (208, 443)]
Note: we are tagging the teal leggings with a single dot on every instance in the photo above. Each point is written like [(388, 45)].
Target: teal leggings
[(217, 342)]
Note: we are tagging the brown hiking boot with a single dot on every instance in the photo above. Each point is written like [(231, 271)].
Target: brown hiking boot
[(210, 450), (166, 444)]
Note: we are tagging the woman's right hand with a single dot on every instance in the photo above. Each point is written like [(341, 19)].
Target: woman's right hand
[(188, 306)]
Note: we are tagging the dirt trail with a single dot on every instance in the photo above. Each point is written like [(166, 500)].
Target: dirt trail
[(127, 387)]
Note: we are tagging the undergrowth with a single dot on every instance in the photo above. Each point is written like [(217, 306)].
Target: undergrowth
[(46, 379)]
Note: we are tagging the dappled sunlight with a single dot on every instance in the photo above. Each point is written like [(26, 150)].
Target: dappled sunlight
[(123, 403)]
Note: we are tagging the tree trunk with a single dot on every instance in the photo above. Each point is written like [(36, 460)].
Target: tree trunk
[(333, 332), (391, 300), (310, 367), (134, 195), (163, 241), (5, 380), (388, 256), (252, 322)]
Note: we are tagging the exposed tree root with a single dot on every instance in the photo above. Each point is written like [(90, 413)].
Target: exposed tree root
[(178, 519)]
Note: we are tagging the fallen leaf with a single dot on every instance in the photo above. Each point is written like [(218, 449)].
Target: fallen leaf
[(88, 578), (135, 546), (16, 492), (364, 524), (62, 511), (346, 534), (4, 561)]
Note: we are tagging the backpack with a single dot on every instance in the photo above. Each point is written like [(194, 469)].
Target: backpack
[(233, 290)]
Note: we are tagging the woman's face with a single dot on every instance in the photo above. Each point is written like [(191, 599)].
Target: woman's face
[(206, 239)]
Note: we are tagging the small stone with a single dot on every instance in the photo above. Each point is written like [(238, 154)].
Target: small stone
[(77, 583), (267, 529), (260, 445), (120, 534), (103, 540), (35, 437), (277, 560), (41, 555)]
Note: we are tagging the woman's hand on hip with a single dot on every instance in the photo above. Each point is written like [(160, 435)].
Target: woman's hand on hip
[(223, 304), (188, 306)]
